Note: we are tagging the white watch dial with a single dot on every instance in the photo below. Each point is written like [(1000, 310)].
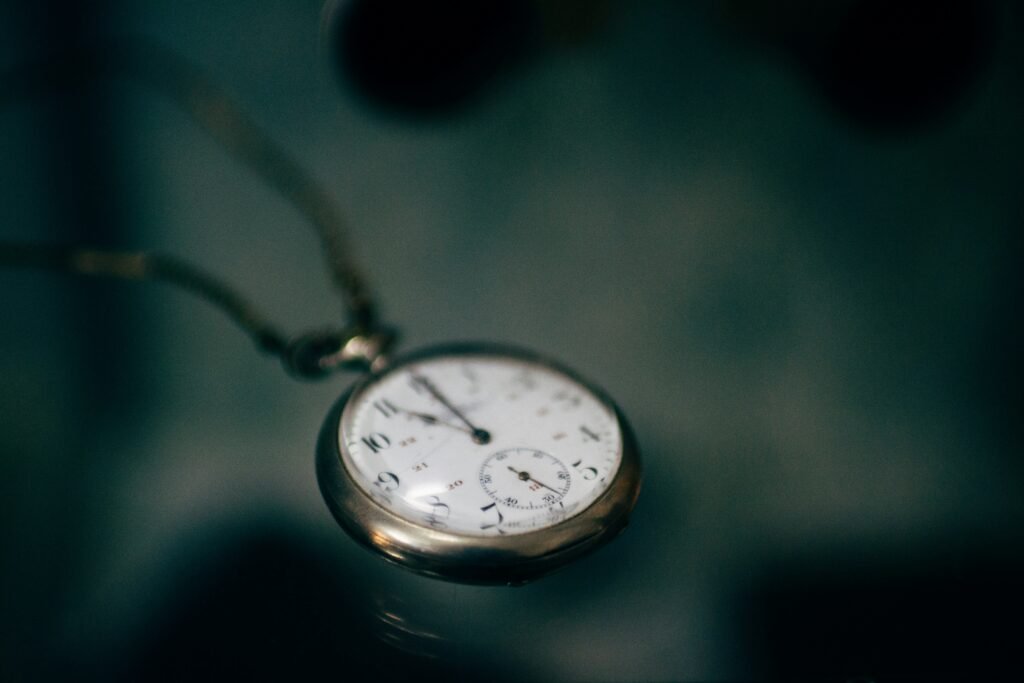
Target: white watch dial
[(480, 445)]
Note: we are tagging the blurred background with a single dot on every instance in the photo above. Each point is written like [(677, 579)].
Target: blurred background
[(784, 236)]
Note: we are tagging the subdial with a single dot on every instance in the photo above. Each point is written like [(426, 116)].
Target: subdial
[(525, 478)]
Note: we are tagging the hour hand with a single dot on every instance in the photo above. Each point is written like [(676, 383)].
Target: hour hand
[(429, 419)]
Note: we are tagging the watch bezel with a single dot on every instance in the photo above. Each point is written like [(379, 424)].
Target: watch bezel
[(509, 559)]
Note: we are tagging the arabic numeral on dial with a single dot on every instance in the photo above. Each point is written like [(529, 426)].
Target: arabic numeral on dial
[(376, 442), (385, 408), (438, 513), (509, 500), (549, 497), (501, 518), (455, 484), (588, 473), (386, 481), (485, 479)]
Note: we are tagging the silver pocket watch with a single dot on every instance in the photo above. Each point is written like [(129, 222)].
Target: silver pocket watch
[(478, 463)]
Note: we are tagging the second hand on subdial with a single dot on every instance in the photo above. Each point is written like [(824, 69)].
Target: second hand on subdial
[(480, 436), (525, 476)]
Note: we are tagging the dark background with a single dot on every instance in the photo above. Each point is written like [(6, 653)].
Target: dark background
[(785, 236)]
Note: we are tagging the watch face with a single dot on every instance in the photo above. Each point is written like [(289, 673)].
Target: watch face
[(481, 445), (478, 463)]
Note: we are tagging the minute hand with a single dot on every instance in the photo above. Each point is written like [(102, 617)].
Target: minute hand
[(478, 435)]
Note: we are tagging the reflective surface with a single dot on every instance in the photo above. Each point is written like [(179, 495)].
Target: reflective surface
[(813, 327)]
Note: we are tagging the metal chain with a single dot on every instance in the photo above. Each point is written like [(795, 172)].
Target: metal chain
[(148, 266), (209, 106)]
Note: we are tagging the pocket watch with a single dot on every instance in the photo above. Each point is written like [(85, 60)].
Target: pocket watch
[(474, 463), (478, 463)]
